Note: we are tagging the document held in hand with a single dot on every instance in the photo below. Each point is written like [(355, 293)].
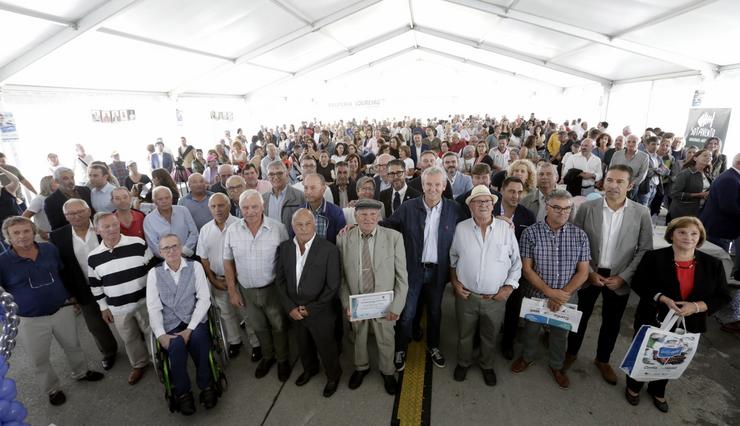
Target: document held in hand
[(536, 310)]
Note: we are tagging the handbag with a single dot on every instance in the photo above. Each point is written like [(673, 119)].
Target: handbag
[(657, 353)]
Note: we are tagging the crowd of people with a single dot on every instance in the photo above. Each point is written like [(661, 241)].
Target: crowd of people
[(280, 230)]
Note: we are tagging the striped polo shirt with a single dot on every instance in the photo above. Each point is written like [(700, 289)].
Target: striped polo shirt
[(118, 275)]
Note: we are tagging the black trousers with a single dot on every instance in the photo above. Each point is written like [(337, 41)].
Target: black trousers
[(511, 318), (100, 330), (611, 319), (316, 338)]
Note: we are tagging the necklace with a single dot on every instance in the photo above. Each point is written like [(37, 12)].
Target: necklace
[(685, 264)]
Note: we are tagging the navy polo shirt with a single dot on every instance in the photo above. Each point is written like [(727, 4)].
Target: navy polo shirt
[(35, 285)]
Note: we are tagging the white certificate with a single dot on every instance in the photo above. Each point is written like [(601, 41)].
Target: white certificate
[(370, 305), (536, 310)]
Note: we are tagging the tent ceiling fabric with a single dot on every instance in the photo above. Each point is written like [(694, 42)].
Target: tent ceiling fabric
[(239, 47)]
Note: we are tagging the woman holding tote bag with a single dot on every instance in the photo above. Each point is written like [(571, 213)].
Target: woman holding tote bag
[(678, 278)]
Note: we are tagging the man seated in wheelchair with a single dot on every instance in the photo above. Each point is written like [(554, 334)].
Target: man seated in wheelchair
[(178, 299)]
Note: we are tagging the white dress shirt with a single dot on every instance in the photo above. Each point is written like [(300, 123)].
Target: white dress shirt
[(300, 259), (610, 226), (82, 248), (101, 201), (500, 159), (154, 303), (484, 266), (211, 244), (592, 164), (431, 231)]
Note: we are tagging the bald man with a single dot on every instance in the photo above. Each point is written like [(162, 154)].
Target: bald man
[(225, 171), (197, 200)]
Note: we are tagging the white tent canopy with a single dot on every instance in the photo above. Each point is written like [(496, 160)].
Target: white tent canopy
[(239, 47)]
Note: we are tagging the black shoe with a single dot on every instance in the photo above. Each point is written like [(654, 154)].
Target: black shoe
[(437, 357), (186, 404), (264, 367), (660, 405), (108, 362), (91, 376), (489, 376), (390, 384), (355, 380), (632, 399), (57, 398), (305, 377), (508, 353), (284, 370), (209, 397), (400, 360), (417, 334), (330, 388), (234, 350), (257, 354), (460, 373)]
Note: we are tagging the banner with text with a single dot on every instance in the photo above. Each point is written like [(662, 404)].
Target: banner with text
[(705, 123)]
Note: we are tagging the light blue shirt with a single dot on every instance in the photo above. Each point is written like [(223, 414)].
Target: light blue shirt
[(182, 225), (431, 231), (198, 209), (276, 205), (100, 198)]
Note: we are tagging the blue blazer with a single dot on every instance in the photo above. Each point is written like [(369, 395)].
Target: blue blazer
[(721, 213), (336, 220), (424, 147), (409, 220), (166, 161)]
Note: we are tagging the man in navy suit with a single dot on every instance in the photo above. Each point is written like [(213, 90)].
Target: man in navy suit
[(399, 192), (161, 159), (417, 148)]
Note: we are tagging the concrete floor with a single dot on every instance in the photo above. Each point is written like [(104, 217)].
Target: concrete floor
[(708, 393)]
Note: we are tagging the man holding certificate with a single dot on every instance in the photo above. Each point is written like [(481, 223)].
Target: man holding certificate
[(374, 265), (555, 256), (484, 269), (307, 281)]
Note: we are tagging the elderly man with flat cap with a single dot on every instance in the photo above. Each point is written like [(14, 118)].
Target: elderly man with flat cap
[(485, 268), (373, 260)]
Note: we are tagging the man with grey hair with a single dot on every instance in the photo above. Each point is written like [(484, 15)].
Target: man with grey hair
[(382, 180), (225, 171), (117, 270), (427, 258), (283, 200), (67, 189), (547, 181), (196, 201), (637, 160), (168, 219), (250, 248), (75, 241), (555, 256), (272, 155), (589, 164), (235, 187)]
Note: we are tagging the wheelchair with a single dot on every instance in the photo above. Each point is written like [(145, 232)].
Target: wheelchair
[(218, 358)]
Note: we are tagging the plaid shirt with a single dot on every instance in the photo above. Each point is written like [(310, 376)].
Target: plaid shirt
[(555, 253), (322, 222), (119, 170)]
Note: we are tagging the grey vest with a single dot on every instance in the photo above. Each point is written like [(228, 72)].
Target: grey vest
[(178, 300)]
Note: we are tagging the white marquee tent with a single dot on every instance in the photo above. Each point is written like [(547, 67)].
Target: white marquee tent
[(636, 62)]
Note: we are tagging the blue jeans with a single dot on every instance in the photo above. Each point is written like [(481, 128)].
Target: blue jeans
[(198, 347), (647, 198), (432, 291)]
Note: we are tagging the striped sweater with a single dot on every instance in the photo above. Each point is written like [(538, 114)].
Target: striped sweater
[(118, 276)]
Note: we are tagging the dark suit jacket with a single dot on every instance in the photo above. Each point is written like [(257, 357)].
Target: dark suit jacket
[(319, 281), (74, 279), (217, 187), (466, 210), (351, 191), (167, 161), (424, 147), (656, 273), (53, 206), (386, 197), (721, 212), (416, 184)]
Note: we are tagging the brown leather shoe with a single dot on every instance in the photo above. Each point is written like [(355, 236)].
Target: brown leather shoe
[(520, 365), (560, 377), (606, 372), (569, 360), (135, 375)]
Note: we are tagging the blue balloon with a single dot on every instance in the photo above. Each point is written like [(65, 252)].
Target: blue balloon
[(17, 411), (3, 368), (7, 389), (4, 407)]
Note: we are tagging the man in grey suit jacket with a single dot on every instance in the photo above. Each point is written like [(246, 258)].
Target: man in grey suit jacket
[(460, 183), (619, 233), (387, 272), (283, 200)]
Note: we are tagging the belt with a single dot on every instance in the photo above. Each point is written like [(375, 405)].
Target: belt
[(482, 296), (604, 272), (428, 265)]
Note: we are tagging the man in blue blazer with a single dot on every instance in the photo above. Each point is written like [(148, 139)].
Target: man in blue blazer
[(428, 226), (161, 159), (417, 147)]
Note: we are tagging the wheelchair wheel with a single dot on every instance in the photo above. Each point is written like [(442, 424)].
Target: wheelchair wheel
[(216, 331), (161, 364)]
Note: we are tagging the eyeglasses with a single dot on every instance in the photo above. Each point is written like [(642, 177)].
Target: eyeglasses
[(40, 279), (166, 249), (75, 213), (234, 188), (558, 209), (398, 173), (275, 174)]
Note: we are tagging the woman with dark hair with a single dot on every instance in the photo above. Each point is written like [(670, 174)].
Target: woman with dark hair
[(481, 154), (603, 144), (394, 144), (355, 166), (529, 149), (678, 278), (340, 153), (160, 177), (719, 160), (325, 167), (691, 187)]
